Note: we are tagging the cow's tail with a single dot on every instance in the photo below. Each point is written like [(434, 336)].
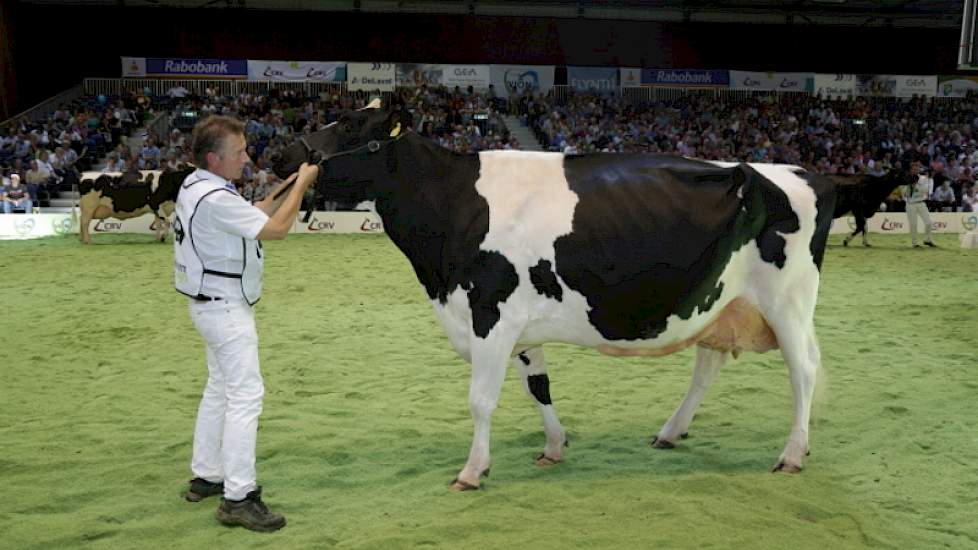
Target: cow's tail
[(820, 399)]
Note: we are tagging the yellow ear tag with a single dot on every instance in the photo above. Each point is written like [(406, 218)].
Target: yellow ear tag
[(396, 131)]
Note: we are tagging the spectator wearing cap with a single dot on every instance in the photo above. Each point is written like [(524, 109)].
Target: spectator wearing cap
[(16, 197)]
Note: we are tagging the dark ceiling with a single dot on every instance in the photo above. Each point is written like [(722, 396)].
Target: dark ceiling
[(899, 13)]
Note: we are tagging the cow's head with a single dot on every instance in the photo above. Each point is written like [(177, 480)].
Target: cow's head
[(343, 135), (363, 160)]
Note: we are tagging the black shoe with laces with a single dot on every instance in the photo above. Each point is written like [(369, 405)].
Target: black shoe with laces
[(200, 489), (930, 244), (250, 513)]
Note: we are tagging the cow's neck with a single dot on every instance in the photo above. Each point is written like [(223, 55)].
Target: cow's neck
[(432, 211)]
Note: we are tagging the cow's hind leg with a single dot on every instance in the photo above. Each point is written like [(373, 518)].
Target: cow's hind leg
[(533, 372), (800, 350), (490, 357), (708, 363)]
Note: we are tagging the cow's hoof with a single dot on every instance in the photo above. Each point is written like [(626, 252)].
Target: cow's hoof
[(661, 443), (544, 460), (458, 486), (786, 468)]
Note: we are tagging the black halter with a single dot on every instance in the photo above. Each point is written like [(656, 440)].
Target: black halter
[(373, 146)]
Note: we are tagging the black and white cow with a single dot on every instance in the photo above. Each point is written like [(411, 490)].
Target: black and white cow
[(862, 195), (627, 254), (104, 196)]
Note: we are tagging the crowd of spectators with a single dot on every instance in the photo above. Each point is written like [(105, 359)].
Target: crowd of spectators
[(38, 159), (844, 136)]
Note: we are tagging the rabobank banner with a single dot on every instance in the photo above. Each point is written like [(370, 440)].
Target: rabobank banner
[(835, 86), (956, 85), (516, 79), (133, 66), (685, 78), (296, 71), (600, 79), (368, 77), (629, 77), (772, 82), (167, 67)]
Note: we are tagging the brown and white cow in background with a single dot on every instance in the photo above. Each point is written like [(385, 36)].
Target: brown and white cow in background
[(123, 196)]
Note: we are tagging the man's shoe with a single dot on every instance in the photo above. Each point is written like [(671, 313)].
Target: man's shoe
[(200, 489), (250, 513), (930, 244)]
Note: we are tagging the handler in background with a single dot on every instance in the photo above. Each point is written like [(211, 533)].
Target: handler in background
[(218, 265)]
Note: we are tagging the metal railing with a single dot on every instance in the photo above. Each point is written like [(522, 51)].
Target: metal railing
[(162, 87)]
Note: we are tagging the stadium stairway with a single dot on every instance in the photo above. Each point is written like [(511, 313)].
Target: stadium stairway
[(528, 142)]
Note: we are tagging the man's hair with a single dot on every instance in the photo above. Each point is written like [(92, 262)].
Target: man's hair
[(209, 134)]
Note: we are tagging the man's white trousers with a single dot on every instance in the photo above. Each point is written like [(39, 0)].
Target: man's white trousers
[(227, 420)]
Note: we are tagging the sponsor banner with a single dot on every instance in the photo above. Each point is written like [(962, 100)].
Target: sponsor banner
[(685, 78), (601, 79), (774, 82), (339, 222), (464, 76), (835, 86), (896, 222), (145, 224), (32, 226), (630, 77), (167, 67), (911, 85), (516, 79), (133, 66), (413, 75), (369, 77), (956, 85), (296, 71)]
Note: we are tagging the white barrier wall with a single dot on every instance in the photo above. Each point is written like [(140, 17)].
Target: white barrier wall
[(896, 222), (32, 226), (29, 226)]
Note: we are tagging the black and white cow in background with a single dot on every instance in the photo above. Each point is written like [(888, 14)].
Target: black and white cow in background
[(104, 196), (862, 195), (628, 254)]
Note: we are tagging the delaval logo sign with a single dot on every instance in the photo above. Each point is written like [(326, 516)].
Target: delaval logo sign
[(685, 78), (197, 68)]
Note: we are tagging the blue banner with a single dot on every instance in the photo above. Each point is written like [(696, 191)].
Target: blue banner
[(196, 68), (685, 78), (601, 79)]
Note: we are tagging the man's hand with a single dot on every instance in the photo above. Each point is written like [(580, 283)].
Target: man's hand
[(307, 174)]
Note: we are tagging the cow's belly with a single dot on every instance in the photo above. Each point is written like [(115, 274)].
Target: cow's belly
[(739, 327)]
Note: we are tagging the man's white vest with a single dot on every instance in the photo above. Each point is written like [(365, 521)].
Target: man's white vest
[(188, 268)]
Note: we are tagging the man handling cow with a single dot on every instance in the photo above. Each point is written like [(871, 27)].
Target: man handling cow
[(218, 265)]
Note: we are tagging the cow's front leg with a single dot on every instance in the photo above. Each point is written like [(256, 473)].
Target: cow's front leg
[(533, 372), (489, 361)]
